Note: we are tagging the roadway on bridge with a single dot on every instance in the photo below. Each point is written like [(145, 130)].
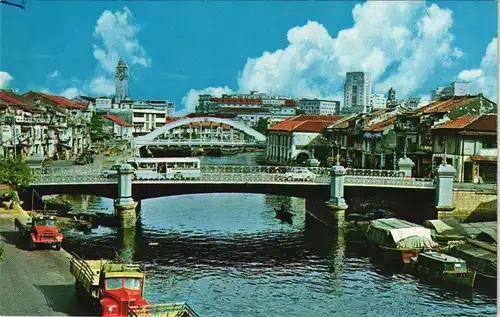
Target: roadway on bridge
[(34, 283)]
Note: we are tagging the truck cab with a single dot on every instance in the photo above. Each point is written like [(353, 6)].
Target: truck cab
[(44, 230), (121, 287)]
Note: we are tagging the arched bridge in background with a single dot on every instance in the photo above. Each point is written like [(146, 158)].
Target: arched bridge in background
[(200, 131)]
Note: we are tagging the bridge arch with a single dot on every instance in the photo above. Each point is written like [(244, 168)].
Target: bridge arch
[(172, 125)]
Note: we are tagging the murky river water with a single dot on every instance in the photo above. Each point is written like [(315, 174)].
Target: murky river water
[(227, 255)]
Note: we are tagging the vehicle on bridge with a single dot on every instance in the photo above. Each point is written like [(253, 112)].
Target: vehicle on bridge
[(298, 174), (39, 230), (111, 171), (166, 167), (113, 288), (84, 158)]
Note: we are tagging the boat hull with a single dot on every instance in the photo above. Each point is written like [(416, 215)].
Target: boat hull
[(465, 279)]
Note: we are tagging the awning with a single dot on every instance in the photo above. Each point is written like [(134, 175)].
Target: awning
[(484, 158)]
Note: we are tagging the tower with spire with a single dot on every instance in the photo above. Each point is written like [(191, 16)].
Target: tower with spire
[(121, 78)]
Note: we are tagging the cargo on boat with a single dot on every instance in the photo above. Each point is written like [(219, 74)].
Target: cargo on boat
[(113, 288), (445, 268), (480, 253), (446, 231), (399, 238)]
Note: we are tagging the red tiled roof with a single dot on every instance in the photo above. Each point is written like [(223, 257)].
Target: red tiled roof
[(458, 123), (117, 120), (11, 98), (444, 105), (379, 127), (305, 123), (486, 122), (61, 101)]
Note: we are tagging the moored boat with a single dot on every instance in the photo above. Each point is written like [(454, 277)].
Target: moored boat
[(399, 238), (480, 253), (444, 267), (284, 215), (446, 231)]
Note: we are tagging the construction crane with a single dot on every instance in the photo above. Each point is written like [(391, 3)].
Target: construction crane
[(22, 5)]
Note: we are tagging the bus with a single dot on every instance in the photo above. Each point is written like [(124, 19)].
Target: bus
[(166, 167)]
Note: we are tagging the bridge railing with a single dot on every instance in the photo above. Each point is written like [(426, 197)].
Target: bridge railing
[(238, 174), (389, 182)]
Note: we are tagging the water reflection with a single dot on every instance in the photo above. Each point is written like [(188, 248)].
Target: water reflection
[(229, 251)]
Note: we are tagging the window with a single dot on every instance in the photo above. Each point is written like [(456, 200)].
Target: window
[(133, 283), (113, 283)]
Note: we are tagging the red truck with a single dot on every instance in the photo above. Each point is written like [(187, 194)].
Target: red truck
[(39, 230), (113, 288)]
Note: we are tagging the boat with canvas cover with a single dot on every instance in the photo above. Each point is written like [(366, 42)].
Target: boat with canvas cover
[(480, 253), (399, 238)]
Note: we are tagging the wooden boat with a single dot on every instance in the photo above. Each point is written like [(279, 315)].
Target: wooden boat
[(480, 253), (445, 268), (399, 238), (446, 231), (284, 215)]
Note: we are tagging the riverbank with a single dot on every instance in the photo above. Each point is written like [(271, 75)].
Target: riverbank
[(37, 282)]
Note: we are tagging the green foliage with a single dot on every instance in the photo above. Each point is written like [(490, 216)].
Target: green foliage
[(261, 125), (3, 254), (299, 111), (185, 134), (15, 173)]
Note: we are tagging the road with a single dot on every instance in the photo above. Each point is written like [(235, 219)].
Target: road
[(34, 283)]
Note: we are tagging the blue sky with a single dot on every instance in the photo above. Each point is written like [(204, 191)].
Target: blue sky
[(177, 50)]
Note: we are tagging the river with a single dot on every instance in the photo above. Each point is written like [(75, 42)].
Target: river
[(227, 255)]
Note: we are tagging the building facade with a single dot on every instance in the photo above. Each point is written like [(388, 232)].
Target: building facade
[(456, 88), (319, 107), (357, 90), (469, 143), (117, 127), (121, 80), (377, 101)]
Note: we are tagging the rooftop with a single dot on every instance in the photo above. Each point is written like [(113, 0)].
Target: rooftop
[(305, 123), (485, 122), (117, 120)]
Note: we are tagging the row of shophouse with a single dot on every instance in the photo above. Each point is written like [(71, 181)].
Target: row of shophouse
[(459, 129), (42, 125)]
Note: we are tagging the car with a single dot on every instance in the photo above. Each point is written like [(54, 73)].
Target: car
[(111, 171), (301, 174)]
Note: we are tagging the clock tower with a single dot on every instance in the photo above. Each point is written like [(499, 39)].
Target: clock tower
[(121, 78)]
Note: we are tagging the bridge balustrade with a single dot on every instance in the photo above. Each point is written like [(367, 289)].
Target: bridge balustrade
[(239, 174)]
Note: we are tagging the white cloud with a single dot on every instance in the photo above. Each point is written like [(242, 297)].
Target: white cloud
[(118, 32), (470, 74), (54, 74), (102, 86), (5, 78), (385, 35), (71, 93), (484, 79), (190, 101)]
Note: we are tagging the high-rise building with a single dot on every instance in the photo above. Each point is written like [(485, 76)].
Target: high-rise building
[(121, 78), (319, 107), (357, 89)]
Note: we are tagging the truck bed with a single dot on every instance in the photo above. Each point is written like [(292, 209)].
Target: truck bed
[(86, 272), (23, 224), (180, 309)]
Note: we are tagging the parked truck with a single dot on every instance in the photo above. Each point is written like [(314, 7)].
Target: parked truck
[(39, 230), (113, 288)]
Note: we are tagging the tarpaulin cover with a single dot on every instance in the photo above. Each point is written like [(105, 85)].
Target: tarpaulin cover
[(398, 233)]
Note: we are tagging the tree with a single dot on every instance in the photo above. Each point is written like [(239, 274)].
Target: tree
[(96, 126), (15, 173), (261, 125), (299, 111)]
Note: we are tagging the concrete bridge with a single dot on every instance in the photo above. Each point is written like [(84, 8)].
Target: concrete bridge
[(327, 186)]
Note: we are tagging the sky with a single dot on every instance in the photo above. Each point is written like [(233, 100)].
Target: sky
[(176, 50)]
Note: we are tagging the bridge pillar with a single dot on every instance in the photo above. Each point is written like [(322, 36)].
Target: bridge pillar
[(337, 203), (444, 188), (405, 165), (124, 204)]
